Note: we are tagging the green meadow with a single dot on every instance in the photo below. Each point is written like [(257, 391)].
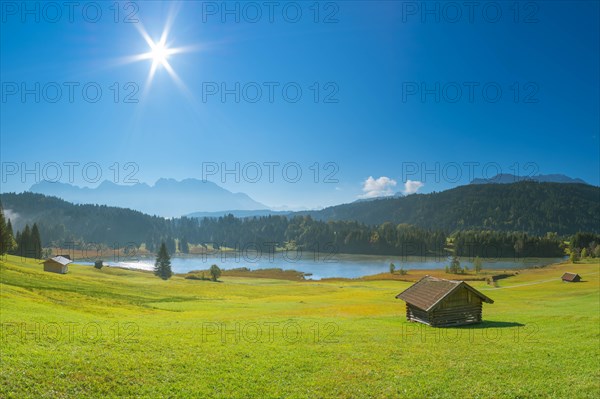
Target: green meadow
[(118, 333)]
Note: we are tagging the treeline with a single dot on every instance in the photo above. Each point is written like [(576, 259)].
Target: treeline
[(26, 243), (584, 245), (494, 244), (301, 232), (7, 241), (59, 222)]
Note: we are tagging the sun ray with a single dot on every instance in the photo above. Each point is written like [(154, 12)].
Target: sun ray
[(172, 13), (176, 79)]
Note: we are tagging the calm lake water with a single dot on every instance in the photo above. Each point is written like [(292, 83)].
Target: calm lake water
[(320, 265)]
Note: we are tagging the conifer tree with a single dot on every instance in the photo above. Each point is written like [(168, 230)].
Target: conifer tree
[(162, 266), (36, 242), (25, 242), (7, 241), (184, 246)]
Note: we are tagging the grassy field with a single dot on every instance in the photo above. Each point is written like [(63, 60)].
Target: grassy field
[(118, 333)]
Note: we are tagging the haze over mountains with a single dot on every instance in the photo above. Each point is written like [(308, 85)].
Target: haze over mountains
[(167, 197), (197, 198), (507, 178)]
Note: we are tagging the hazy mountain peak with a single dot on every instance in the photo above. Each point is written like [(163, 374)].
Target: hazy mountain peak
[(107, 184), (167, 197)]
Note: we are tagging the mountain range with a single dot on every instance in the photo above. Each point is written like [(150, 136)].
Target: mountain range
[(166, 198), (197, 198)]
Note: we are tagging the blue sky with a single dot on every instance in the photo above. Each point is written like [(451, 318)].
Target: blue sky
[(401, 94)]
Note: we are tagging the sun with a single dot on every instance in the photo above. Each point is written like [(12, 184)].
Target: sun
[(159, 53)]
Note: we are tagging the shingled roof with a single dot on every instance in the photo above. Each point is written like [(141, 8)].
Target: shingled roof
[(61, 259), (570, 276), (429, 291)]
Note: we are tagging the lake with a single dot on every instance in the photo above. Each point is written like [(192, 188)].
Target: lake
[(320, 265)]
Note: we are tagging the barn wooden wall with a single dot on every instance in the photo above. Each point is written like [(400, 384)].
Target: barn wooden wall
[(462, 307)]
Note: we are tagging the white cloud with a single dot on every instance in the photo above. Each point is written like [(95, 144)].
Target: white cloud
[(412, 186), (380, 187)]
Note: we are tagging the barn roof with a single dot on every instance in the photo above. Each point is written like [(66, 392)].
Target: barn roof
[(429, 291), (570, 276), (60, 259)]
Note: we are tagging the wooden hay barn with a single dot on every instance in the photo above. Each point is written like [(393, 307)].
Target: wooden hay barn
[(443, 303), (57, 264), (571, 278)]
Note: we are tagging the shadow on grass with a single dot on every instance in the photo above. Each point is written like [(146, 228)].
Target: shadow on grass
[(492, 324)]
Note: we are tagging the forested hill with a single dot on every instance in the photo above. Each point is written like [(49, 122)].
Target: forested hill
[(527, 207), (61, 223), (535, 208)]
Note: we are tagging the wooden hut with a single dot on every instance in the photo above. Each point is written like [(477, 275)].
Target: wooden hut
[(57, 264), (443, 303), (571, 278)]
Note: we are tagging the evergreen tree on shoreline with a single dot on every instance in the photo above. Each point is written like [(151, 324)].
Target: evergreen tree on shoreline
[(162, 266)]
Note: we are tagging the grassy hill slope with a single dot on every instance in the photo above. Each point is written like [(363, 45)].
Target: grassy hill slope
[(114, 333)]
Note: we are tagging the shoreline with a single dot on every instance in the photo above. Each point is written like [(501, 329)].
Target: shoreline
[(133, 255), (412, 275)]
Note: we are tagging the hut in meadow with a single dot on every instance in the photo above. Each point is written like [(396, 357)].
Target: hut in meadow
[(442, 303), (571, 278), (57, 264)]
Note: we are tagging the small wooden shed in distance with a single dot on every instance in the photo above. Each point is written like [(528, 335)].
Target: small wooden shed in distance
[(57, 264), (571, 277), (443, 303)]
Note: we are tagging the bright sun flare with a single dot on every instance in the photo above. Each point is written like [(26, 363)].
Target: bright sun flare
[(160, 53)]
